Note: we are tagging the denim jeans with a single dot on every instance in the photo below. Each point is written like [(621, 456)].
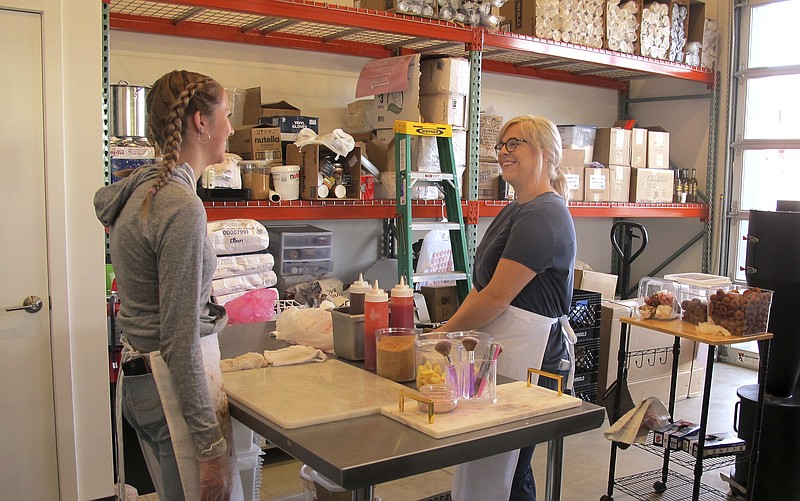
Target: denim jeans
[(141, 406), (523, 486)]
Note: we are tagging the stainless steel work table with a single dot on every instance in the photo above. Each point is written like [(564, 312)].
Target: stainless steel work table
[(359, 453)]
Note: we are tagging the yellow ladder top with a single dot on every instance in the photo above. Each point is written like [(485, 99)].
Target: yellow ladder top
[(422, 129)]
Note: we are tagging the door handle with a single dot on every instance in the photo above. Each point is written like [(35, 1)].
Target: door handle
[(31, 304)]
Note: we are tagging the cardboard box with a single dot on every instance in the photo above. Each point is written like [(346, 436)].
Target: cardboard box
[(672, 437), (638, 147), (309, 160), (594, 281), (394, 83), (596, 185), (290, 126), (520, 16), (619, 183), (489, 135), (612, 146), (657, 148), (255, 142), (253, 109), (445, 109), (446, 75), (488, 180), (651, 185), (579, 137), (575, 187), (441, 300), (715, 445)]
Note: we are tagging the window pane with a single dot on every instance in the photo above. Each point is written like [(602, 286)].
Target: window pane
[(773, 35), (769, 176), (773, 110)]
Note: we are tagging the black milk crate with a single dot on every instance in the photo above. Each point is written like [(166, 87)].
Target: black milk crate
[(587, 356), (585, 378), (584, 310), (587, 393), (587, 335)]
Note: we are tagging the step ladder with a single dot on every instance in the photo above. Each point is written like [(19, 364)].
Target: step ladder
[(447, 181)]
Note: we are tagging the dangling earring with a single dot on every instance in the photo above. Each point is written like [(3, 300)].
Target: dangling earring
[(199, 135)]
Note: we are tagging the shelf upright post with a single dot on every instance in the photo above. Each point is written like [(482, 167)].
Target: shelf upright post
[(475, 61)]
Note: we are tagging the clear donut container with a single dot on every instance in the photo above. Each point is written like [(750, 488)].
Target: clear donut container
[(659, 299)]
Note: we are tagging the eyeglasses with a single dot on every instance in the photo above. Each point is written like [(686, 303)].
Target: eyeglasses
[(510, 145)]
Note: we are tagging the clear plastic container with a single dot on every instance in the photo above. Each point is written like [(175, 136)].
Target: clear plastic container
[(395, 353), (302, 253), (255, 177), (481, 350), (744, 311), (695, 288), (658, 298), (431, 365), (444, 398)]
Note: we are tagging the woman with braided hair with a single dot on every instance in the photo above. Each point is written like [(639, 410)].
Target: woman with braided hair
[(170, 384)]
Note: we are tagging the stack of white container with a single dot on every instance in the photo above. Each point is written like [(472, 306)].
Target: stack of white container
[(248, 456), (654, 37), (573, 21), (622, 31)]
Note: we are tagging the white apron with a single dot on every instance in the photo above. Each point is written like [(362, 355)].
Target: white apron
[(182, 441), (524, 338)]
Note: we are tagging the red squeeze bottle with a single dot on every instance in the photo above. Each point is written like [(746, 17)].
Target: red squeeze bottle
[(376, 316), (402, 305)]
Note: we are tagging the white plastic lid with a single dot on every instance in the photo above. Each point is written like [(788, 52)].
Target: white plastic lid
[(402, 289), (376, 295), (285, 168), (699, 279), (360, 286)]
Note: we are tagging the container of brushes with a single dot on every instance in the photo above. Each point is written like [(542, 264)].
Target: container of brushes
[(484, 377), (481, 350)]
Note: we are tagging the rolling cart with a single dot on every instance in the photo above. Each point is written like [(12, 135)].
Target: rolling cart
[(669, 484)]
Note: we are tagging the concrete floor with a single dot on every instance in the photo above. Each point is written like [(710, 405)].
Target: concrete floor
[(586, 458)]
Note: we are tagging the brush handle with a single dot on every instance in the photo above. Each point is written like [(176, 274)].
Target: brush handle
[(471, 374), (485, 379), (451, 370), (484, 368)]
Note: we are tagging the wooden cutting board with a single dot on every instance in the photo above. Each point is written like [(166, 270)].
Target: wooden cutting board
[(515, 401), (302, 395)]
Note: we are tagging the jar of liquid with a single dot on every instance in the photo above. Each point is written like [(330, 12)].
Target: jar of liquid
[(402, 305), (376, 316), (255, 177), (395, 353)]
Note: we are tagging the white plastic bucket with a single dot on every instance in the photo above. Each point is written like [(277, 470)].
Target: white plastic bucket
[(286, 181)]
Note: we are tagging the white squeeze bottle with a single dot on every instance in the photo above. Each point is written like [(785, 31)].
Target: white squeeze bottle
[(376, 316), (358, 291)]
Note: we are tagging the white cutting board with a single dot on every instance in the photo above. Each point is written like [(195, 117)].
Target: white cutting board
[(302, 395), (515, 401)]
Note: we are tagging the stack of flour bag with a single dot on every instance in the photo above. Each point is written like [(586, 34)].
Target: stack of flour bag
[(243, 281)]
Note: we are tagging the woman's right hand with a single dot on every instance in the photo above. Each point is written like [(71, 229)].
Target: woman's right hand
[(216, 479)]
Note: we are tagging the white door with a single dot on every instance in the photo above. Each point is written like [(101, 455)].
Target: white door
[(27, 445)]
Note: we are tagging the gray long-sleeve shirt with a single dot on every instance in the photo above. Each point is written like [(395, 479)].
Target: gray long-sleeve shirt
[(163, 265)]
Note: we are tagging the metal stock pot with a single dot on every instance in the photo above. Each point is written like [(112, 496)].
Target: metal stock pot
[(127, 110)]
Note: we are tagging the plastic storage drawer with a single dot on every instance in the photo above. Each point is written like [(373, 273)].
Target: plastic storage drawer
[(306, 267)]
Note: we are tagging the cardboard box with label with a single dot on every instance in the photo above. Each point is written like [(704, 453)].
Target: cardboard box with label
[(394, 82), (488, 180), (309, 159), (256, 142), (441, 300), (657, 148), (290, 126), (490, 129), (572, 167), (596, 185), (444, 75), (619, 183), (652, 185), (638, 147), (520, 16), (612, 146), (445, 109)]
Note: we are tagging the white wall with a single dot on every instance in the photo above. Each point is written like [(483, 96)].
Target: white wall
[(322, 84)]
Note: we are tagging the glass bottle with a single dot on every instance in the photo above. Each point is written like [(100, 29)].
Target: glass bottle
[(693, 185), (684, 185), (678, 187)]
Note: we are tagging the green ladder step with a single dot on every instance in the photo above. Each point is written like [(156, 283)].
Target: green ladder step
[(448, 183)]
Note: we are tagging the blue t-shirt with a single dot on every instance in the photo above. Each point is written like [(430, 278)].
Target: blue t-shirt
[(539, 234)]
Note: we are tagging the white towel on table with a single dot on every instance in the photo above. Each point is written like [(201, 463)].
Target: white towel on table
[(294, 355)]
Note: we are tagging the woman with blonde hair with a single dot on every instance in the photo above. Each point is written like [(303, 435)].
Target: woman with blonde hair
[(522, 281), (170, 382)]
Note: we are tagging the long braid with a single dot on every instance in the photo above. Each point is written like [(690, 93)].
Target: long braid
[(169, 136)]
